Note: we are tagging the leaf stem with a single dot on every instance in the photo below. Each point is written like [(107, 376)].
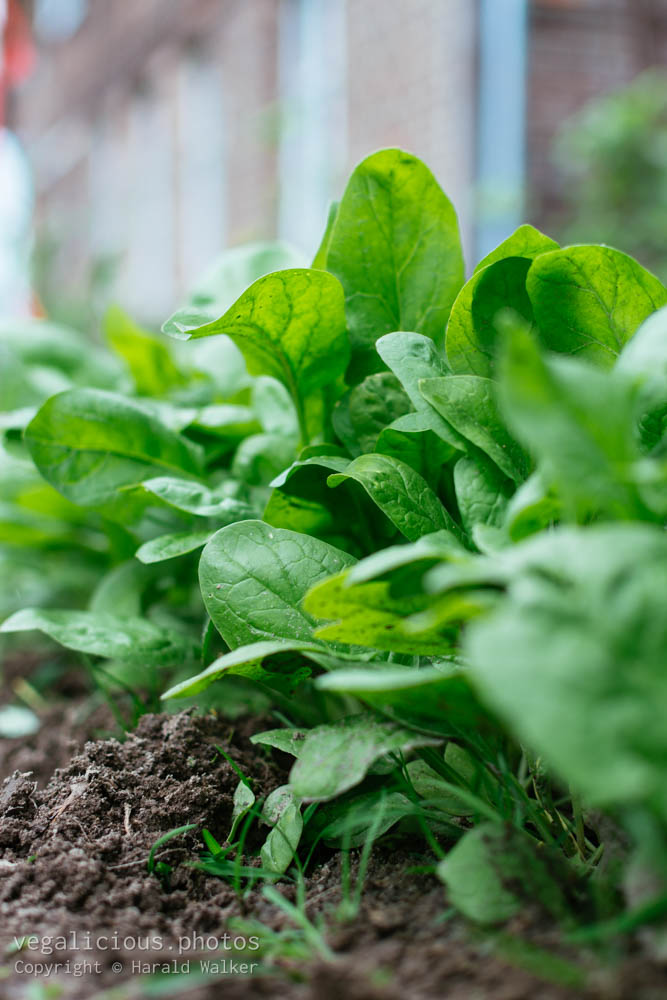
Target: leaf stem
[(301, 417)]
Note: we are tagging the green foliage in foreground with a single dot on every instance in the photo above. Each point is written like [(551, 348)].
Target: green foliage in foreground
[(432, 519)]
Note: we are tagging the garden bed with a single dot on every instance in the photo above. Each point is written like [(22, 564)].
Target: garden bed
[(75, 847), (390, 545)]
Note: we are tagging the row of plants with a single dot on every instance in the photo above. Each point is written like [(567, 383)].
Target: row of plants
[(420, 518)]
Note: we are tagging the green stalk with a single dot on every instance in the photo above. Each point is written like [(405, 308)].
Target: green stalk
[(301, 418)]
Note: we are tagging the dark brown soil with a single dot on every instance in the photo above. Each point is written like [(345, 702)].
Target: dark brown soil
[(73, 870), (69, 716)]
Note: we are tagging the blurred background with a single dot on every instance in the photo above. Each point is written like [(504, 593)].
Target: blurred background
[(141, 137)]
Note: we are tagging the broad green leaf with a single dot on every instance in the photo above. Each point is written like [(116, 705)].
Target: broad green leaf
[(227, 278), (368, 408), (273, 405), (458, 603), (337, 757), (429, 785), (438, 698), (650, 478), (471, 332), (498, 569), (148, 359), (227, 421), (176, 418), (282, 811), (468, 402), (218, 368), (327, 457), (577, 421), (644, 358), (495, 570), (244, 800), (533, 507), (573, 658), (248, 661), (401, 493), (413, 357), (22, 526), (280, 846), (45, 348), (89, 443), (290, 325), (478, 871), (367, 615), (646, 352), (302, 501), (373, 404), (120, 591), (410, 440), (222, 502), (261, 457), (21, 484), (526, 241), (482, 492), (342, 426), (320, 258), (396, 249), (590, 300), (495, 870), (489, 538), (253, 579), (276, 803), (397, 559), (25, 385), (287, 740), (170, 546), (112, 636)]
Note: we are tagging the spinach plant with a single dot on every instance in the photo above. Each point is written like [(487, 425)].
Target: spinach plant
[(422, 517)]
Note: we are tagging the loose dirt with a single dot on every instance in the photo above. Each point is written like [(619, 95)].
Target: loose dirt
[(73, 874)]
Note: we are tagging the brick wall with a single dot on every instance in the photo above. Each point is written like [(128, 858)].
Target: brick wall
[(411, 80), (160, 132), (155, 131), (140, 127)]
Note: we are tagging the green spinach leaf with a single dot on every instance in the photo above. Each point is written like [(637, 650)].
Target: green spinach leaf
[(396, 249), (253, 578), (590, 300)]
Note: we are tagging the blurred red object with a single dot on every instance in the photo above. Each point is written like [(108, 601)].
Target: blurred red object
[(18, 49)]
